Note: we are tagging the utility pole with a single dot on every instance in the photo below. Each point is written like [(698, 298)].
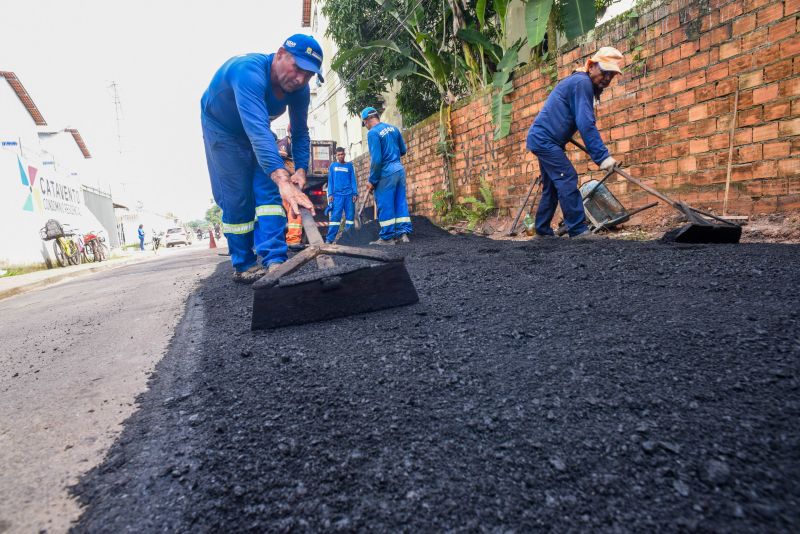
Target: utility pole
[(117, 111)]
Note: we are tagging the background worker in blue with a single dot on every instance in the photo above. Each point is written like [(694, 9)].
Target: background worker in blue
[(570, 108), (248, 177), (342, 193), (387, 178)]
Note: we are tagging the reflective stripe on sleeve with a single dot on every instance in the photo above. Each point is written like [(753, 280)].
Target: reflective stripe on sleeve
[(294, 225), (349, 222), (242, 228), (332, 223), (403, 219), (270, 209), (387, 222)]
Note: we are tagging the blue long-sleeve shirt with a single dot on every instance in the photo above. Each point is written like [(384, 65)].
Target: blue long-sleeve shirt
[(386, 145), (141, 233), (569, 108), (342, 179), (239, 102)]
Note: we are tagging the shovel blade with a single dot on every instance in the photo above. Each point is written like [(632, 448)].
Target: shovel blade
[(362, 290), (705, 233)]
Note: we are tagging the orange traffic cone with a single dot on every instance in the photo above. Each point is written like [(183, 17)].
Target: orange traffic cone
[(212, 243)]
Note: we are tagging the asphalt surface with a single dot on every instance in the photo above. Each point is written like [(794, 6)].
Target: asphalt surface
[(74, 357), (547, 385)]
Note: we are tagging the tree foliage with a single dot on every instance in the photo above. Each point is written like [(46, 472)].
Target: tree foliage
[(214, 214)]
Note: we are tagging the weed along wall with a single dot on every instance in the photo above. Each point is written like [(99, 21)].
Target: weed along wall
[(668, 118)]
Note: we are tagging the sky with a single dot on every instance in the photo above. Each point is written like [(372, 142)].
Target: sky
[(162, 55)]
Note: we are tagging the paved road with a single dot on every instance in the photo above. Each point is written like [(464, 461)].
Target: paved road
[(74, 358)]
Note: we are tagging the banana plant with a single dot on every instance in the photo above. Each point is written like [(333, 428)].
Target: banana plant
[(578, 17)]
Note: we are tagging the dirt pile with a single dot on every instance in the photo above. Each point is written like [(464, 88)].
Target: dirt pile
[(551, 384)]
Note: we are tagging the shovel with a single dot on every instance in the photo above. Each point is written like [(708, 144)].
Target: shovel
[(698, 230), (331, 291)]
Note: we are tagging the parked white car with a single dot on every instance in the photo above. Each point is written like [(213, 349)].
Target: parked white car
[(177, 236)]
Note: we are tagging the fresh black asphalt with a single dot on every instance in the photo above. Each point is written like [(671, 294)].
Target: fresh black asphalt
[(549, 385)]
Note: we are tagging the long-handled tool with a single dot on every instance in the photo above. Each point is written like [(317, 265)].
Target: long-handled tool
[(362, 202), (331, 291), (537, 182), (698, 230)]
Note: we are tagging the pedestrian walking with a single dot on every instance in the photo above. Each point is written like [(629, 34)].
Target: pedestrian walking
[(342, 194), (141, 238), (570, 108), (249, 179), (387, 178)]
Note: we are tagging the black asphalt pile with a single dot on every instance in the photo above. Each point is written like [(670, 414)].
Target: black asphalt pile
[(543, 385)]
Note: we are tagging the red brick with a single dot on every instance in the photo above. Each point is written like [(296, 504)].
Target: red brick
[(766, 55), (719, 141), (685, 99), (730, 49), (776, 110), (698, 112), (769, 14), (748, 153), (776, 150), (765, 94), (744, 24), (789, 167), (789, 88), (790, 47), (671, 56), (754, 39), (703, 127), (706, 92), (729, 11), (748, 117), (661, 122), (790, 127), (792, 6), (783, 29), (687, 164), (740, 64), (778, 71), (697, 146), (766, 132), (743, 136), (717, 72)]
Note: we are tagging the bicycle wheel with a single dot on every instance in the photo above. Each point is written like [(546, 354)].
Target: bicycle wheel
[(59, 253), (74, 256), (88, 252), (101, 251)]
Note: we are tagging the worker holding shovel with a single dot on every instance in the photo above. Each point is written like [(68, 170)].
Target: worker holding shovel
[(387, 178), (342, 194), (248, 177), (570, 108)]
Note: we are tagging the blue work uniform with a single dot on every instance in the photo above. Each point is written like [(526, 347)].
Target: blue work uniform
[(387, 174), (569, 108), (141, 239), (242, 154), (342, 186)]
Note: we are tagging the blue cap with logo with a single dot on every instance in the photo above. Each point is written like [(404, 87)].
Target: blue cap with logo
[(307, 53), (366, 112)]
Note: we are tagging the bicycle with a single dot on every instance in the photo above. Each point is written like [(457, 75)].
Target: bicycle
[(94, 247), (65, 248)]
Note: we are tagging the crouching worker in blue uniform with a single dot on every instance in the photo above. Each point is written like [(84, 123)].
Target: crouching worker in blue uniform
[(387, 178), (570, 107), (248, 177), (342, 194)]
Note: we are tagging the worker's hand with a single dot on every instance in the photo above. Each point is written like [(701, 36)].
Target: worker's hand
[(608, 163), (282, 152), (370, 187), (355, 199), (290, 193), (299, 178), (330, 200)]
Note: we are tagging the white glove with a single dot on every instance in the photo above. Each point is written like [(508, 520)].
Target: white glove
[(608, 163)]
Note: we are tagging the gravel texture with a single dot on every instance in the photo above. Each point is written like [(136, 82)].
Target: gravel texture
[(544, 385)]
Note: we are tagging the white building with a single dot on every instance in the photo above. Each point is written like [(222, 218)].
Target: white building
[(40, 177)]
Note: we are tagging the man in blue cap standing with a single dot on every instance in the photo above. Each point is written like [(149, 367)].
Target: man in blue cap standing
[(342, 194), (387, 178), (248, 177)]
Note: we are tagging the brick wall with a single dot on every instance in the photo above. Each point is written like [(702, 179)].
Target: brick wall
[(668, 121)]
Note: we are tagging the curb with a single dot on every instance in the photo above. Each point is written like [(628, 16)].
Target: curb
[(51, 280)]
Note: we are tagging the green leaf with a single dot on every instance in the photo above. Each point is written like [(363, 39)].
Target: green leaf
[(579, 17), (480, 12), (383, 43), (537, 13), (500, 7), (501, 115), (343, 55), (406, 70), (510, 60), (473, 36)]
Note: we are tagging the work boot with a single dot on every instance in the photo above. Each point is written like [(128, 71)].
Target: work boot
[(296, 247), (403, 239), (545, 236), (383, 242), (249, 276), (273, 267)]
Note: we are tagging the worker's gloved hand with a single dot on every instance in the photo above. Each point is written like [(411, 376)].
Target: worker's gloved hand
[(330, 200), (370, 187), (329, 208), (608, 163), (355, 199)]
